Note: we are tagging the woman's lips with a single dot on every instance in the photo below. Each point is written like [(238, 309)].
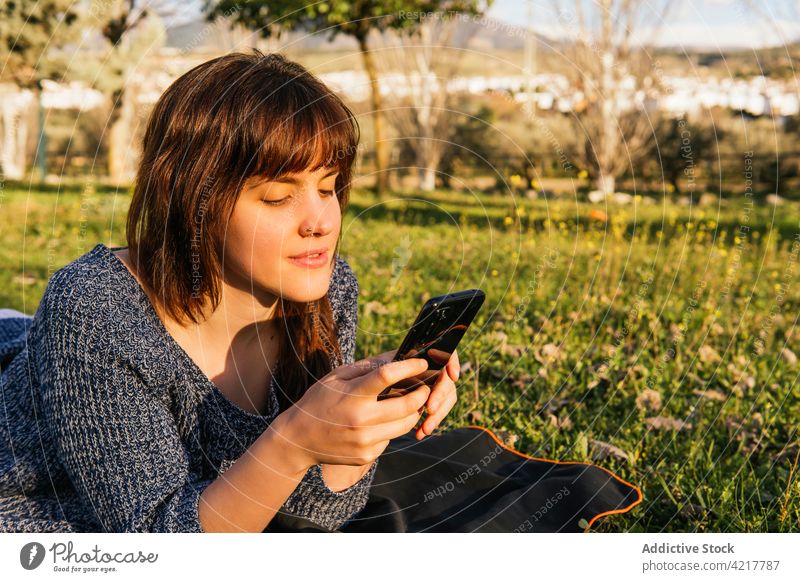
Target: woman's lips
[(311, 262)]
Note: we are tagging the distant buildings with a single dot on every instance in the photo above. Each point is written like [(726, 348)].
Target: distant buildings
[(682, 95), (756, 96)]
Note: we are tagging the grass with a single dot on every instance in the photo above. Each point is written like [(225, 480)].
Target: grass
[(650, 339)]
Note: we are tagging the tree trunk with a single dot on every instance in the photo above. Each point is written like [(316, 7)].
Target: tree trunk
[(609, 140), (381, 151), (606, 183), (675, 185), (15, 134), (427, 178), (41, 142), (120, 163), (428, 156)]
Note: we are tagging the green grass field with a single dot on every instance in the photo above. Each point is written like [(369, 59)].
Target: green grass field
[(655, 340)]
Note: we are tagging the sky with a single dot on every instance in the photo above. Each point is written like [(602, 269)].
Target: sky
[(689, 23), (712, 24)]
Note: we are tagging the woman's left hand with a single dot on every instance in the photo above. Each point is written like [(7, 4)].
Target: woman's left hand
[(442, 397)]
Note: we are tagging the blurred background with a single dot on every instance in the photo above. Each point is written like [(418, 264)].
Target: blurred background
[(622, 179)]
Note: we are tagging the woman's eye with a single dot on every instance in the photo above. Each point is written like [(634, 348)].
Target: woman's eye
[(275, 202), (328, 193)]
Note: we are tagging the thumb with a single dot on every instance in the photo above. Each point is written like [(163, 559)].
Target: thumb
[(365, 366), (388, 374)]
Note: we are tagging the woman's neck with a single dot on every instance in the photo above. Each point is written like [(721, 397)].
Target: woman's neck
[(239, 322)]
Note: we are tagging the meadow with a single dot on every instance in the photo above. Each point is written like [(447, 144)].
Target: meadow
[(657, 340)]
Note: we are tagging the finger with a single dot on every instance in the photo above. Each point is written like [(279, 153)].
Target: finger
[(401, 406), (387, 374), (440, 392), (454, 366), (439, 404), (365, 366), (433, 420), (401, 426)]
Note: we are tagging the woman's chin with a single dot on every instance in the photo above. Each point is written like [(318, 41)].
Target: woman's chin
[(305, 294)]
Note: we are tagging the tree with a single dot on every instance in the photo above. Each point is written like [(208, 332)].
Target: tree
[(32, 32), (126, 30), (474, 143), (614, 76), (681, 148), (356, 19), (426, 57)]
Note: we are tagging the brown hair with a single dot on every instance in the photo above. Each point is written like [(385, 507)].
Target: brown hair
[(222, 122)]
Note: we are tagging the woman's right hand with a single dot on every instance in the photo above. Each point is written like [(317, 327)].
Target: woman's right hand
[(340, 421)]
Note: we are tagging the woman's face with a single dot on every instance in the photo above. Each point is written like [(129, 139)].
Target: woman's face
[(274, 221)]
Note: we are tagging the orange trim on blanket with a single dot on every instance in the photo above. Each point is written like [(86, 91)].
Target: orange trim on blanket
[(599, 515)]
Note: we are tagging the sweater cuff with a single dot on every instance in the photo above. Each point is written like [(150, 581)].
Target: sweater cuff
[(314, 500), (181, 513)]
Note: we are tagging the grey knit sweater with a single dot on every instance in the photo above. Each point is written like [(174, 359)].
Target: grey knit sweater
[(107, 424)]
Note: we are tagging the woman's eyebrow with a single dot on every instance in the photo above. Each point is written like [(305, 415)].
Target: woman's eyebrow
[(288, 179), (285, 179)]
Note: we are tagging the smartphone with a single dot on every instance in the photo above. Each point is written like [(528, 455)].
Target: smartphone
[(436, 332)]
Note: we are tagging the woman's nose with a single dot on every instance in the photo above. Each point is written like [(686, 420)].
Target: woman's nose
[(319, 216)]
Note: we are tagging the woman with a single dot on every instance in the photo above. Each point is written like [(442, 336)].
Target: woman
[(201, 379), (185, 383)]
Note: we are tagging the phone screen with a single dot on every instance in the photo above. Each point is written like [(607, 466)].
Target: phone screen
[(437, 331)]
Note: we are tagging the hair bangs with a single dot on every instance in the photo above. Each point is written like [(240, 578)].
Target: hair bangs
[(296, 131)]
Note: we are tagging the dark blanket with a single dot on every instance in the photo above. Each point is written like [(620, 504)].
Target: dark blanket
[(466, 480)]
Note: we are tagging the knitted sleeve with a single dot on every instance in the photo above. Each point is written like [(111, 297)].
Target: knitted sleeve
[(117, 440)]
